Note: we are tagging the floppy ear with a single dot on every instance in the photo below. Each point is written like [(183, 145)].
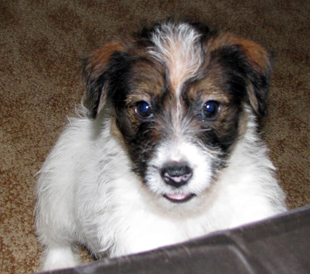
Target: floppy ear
[(95, 72), (258, 76), (251, 61)]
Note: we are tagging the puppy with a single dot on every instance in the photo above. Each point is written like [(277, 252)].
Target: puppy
[(165, 147)]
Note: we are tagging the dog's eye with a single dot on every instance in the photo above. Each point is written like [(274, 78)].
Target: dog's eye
[(211, 110), (143, 110)]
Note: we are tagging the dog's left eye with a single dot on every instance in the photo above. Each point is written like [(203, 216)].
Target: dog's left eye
[(211, 110), (143, 110)]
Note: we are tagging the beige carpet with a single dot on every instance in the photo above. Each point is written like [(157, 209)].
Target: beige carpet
[(42, 43)]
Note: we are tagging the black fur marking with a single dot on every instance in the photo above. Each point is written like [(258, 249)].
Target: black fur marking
[(234, 68), (117, 73)]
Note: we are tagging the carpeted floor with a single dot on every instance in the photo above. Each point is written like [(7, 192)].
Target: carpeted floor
[(42, 43)]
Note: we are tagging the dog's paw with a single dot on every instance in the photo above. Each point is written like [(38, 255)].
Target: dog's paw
[(58, 258)]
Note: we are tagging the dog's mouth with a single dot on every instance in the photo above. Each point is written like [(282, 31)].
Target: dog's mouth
[(179, 197)]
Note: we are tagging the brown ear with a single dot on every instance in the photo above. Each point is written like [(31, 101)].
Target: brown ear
[(96, 76), (256, 68)]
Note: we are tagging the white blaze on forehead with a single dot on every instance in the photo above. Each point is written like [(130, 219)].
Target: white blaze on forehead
[(176, 46)]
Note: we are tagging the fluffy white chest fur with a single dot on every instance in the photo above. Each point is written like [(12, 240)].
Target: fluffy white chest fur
[(119, 213), (148, 173)]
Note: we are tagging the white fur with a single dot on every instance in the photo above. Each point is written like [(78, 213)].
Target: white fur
[(176, 46), (88, 194)]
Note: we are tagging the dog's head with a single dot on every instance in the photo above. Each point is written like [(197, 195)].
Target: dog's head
[(178, 95)]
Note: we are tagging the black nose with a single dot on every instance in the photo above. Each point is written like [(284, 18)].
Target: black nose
[(176, 174)]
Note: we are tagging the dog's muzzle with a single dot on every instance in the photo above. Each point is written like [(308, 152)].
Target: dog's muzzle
[(176, 175)]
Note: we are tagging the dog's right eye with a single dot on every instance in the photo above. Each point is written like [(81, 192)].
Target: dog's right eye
[(143, 110), (211, 110)]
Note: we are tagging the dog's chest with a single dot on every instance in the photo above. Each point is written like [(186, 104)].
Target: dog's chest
[(131, 225), (139, 231)]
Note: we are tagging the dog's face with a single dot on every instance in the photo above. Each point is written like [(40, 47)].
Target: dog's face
[(177, 95)]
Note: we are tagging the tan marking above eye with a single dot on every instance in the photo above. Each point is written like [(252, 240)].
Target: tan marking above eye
[(136, 97), (206, 90)]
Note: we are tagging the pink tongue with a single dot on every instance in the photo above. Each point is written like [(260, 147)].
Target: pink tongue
[(177, 196)]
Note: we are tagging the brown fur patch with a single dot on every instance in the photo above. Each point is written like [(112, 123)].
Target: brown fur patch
[(211, 88), (147, 80), (146, 83)]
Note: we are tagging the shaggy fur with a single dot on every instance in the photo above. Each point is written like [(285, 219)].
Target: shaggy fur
[(166, 147)]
